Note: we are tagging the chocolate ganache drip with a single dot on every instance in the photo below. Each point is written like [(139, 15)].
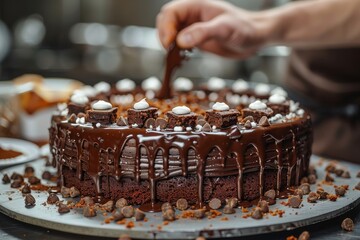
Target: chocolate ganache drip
[(173, 60)]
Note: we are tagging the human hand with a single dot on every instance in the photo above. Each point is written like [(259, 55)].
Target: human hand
[(213, 26)]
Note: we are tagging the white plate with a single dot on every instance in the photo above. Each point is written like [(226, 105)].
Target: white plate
[(74, 222), (29, 151)]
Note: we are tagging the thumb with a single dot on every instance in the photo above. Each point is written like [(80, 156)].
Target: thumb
[(200, 32)]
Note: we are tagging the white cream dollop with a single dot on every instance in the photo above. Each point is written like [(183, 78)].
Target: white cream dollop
[(280, 91), (101, 105), (262, 89), (151, 83), (277, 99), (102, 87), (216, 84), (79, 99), (142, 104), (257, 105), (220, 106), (183, 84), (181, 110), (125, 85), (240, 85)]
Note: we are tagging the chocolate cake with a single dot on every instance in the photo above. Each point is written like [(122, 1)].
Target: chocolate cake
[(192, 144)]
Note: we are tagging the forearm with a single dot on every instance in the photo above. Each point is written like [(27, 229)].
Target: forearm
[(313, 23)]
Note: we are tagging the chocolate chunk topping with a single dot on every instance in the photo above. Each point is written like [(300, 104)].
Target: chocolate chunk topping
[(65, 192), (29, 170), (46, 175), (232, 202), (6, 179), (122, 122), (74, 192), (340, 191), (322, 193), (52, 198), (169, 214), (215, 203), (206, 128), (89, 211), (16, 176), (313, 197), (264, 206), (199, 213), (117, 215), (264, 121), (160, 123), (247, 124), (257, 213), (63, 208), (122, 202), (222, 119), (108, 206), (33, 180), (139, 215), (346, 174), (347, 224), (294, 201), (186, 120), (128, 211), (150, 123), (228, 210), (102, 116), (29, 200), (305, 187), (182, 204), (270, 194), (304, 236), (16, 183), (26, 189), (339, 172), (329, 178), (312, 178)]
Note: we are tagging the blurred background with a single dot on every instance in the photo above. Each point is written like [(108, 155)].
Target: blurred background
[(92, 41)]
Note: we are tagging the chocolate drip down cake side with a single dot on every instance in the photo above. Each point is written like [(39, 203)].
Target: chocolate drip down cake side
[(110, 142)]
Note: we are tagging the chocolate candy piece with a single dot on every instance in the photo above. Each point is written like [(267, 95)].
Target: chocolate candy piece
[(304, 236), (150, 123), (281, 108), (201, 122), (16, 176), (206, 128), (347, 224), (346, 174), (128, 211), (357, 187), (76, 108), (117, 215), (215, 203), (139, 215), (161, 123), (248, 125), (294, 201), (29, 200), (16, 184), (304, 180), (33, 180), (89, 211), (122, 202), (228, 210), (199, 213), (185, 120), (312, 178), (74, 192), (102, 116), (257, 214), (88, 200), (72, 118), (232, 202), (270, 194), (65, 192), (46, 175), (139, 117), (169, 214), (313, 197), (339, 172), (29, 170), (52, 198), (305, 187), (63, 208), (264, 206), (26, 189), (322, 193), (181, 204), (122, 122), (222, 119), (340, 191), (264, 121), (166, 206), (6, 179), (108, 206), (329, 178), (257, 114), (299, 192)]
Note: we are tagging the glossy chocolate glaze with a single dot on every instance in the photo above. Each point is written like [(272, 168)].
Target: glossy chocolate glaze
[(144, 154)]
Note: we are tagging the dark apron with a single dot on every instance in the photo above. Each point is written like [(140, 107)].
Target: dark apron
[(327, 84)]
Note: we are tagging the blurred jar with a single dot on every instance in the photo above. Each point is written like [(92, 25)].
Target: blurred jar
[(9, 111)]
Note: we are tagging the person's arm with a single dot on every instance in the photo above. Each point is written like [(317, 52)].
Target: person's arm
[(224, 29)]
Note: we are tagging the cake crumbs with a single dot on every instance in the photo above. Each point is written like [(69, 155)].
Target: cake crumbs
[(130, 224), (224, 219), (121, 222)]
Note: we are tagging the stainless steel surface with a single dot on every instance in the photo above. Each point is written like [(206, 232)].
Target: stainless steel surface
[(74, 222)]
